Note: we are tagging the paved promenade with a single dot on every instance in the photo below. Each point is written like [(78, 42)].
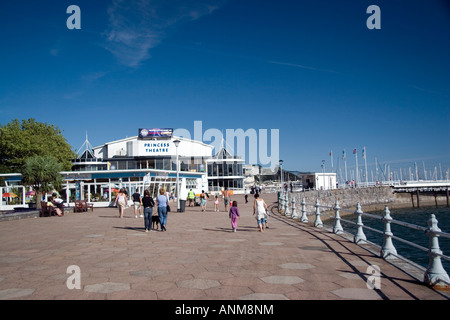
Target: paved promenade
[(197, 258)]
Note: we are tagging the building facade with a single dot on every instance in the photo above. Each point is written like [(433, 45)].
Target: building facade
[(149, 161), (225, 171)]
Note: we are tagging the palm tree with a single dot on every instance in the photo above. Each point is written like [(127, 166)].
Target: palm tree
[(43, 174)]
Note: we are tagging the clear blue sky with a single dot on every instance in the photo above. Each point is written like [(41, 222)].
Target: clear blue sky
[(311, 69)]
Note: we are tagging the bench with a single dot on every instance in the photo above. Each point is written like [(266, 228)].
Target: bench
[(82, 206), (89, 206), (46, 210)]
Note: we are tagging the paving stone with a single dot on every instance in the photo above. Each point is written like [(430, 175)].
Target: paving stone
[(300, 266), (107, 287), (12, 259), (357, 294), (14, 293), (94, 235), (263, 296), (271, 243), (148, 273), (349, 275), (198, 284), (282, 279)]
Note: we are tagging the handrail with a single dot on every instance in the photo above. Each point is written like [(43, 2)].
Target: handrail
[(435, 274)]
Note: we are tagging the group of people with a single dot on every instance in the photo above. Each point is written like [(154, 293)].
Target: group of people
[(203, 199), (162, 202), (56, 204), (260, 210), (148, 203)]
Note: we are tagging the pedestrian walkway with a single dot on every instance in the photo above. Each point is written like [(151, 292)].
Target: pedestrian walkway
[(199, 257)]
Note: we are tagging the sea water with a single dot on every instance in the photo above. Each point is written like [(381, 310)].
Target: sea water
[(417, 216)]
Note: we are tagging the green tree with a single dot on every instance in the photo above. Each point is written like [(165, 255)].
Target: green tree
[(43, 173), (20, 140)]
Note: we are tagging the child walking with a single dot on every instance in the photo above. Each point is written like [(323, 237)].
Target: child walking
[(216, 203), (234, 215)]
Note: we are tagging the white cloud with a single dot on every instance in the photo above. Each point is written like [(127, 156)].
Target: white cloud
[(136, 26)]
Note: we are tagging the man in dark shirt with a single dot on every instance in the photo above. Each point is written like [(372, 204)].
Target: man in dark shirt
[(137, 200)]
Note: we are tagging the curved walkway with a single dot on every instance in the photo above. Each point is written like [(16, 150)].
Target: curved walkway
[(197, 258)]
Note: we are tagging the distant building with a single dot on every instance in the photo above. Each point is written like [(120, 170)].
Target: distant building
[(225, 170), (318, 180)]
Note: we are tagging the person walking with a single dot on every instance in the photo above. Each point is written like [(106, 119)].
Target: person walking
[(121, 199), (226, 198), (216, 203), (191, 197), (148, 204), (137, 200), (234, 215), (203, 201), (259, 208), (163, 202)]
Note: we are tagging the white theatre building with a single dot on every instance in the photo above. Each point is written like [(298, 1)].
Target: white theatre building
[(148, 161)]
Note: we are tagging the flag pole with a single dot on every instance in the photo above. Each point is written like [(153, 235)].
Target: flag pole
[(345, 165), (365, 165), (357, 170), (331, 156)]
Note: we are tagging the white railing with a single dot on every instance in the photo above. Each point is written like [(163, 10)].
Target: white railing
[(434, 275)]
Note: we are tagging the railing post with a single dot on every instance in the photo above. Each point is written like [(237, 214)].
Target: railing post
[(287, 212), (294, 214), (318, 222), (337, 219), (359, 236), (281, 203), (435, 274), (388, 250), (304, 217)]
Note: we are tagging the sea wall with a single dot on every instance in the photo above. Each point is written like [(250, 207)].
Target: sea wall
[(348, 198), (373, 198)]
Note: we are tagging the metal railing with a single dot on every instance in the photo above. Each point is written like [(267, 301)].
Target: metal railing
[(434, 275)]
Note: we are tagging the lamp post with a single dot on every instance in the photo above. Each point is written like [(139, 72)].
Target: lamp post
[(281, 168), (323, 173), (177, 143)]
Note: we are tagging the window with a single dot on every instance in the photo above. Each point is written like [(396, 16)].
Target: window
[(191, 183), (122, 165), (159, 164)]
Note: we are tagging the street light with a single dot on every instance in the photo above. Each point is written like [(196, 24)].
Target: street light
[(281, 168), (177, 143), (323, 173)]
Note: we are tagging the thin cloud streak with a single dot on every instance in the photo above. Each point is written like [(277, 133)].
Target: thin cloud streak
[(302, 66), (137, 26)]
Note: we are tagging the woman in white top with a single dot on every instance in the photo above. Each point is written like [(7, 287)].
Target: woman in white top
[(259, 208), (121, 199)]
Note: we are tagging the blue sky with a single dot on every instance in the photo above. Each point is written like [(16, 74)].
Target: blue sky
[(311, 69)]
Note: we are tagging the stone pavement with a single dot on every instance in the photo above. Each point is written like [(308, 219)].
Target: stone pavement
[(198, 258)]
